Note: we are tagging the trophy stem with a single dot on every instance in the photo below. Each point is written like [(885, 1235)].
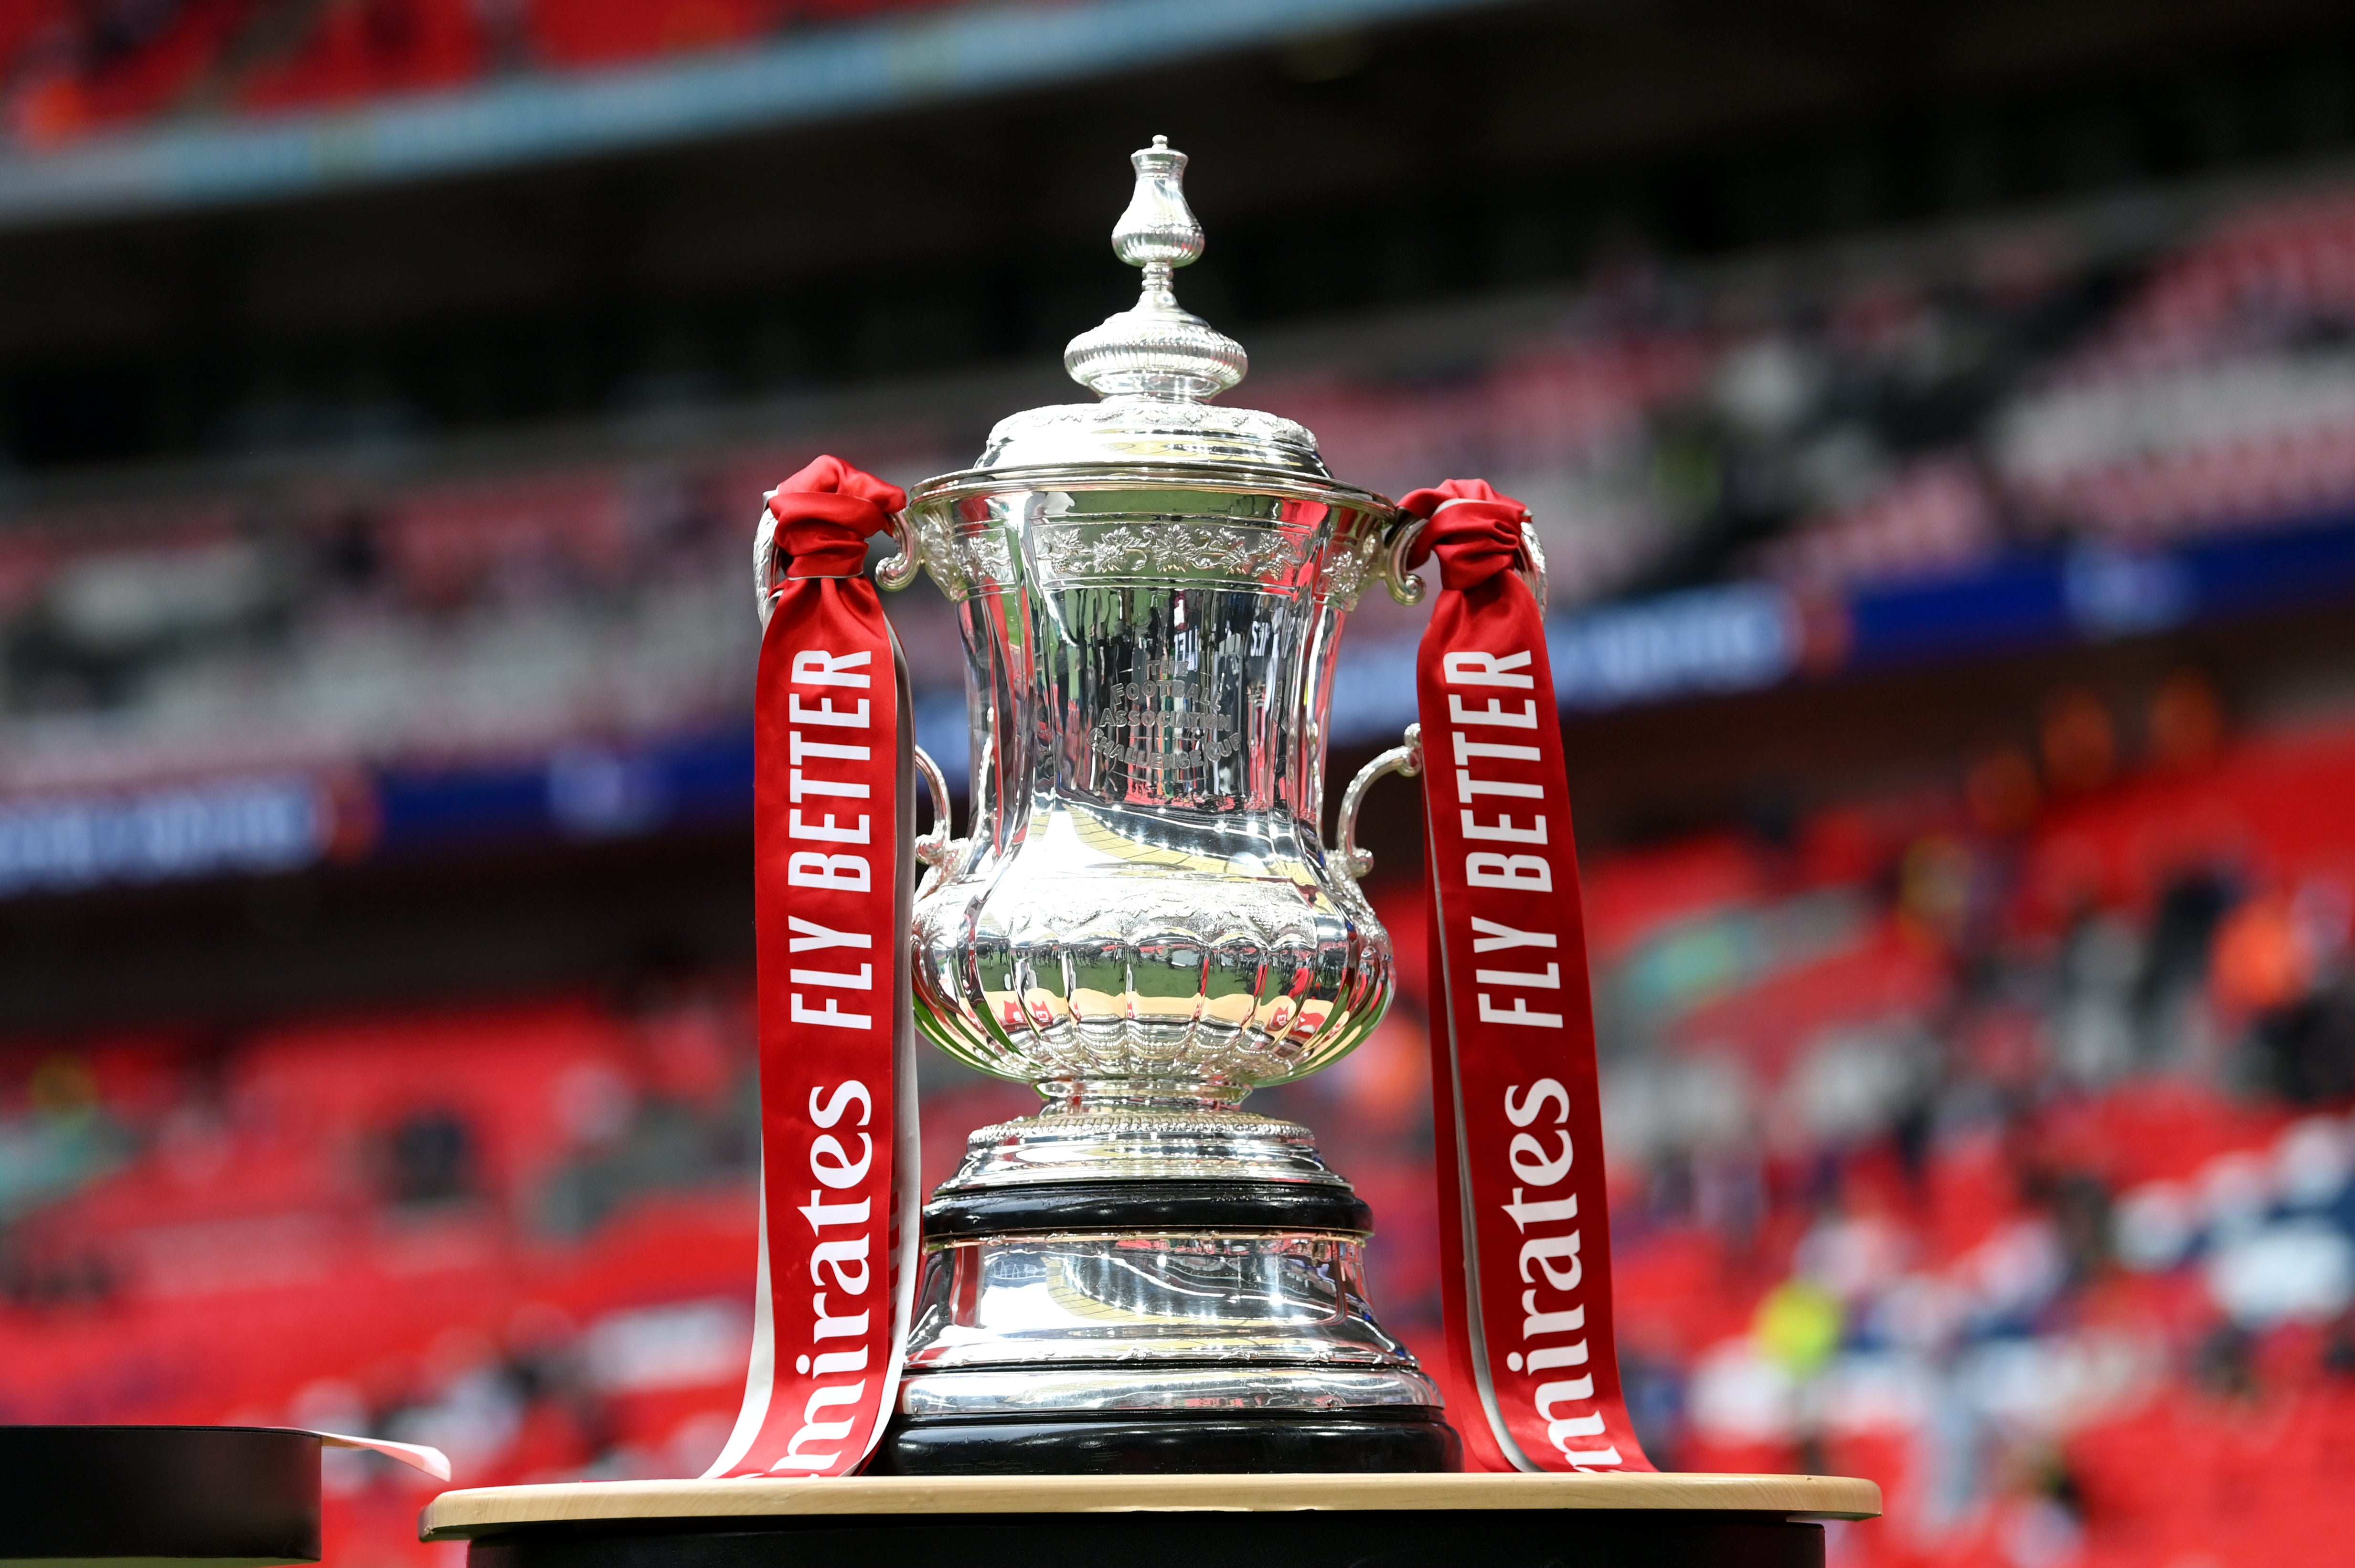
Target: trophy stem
[(1069, 1095), (1130, 1140)]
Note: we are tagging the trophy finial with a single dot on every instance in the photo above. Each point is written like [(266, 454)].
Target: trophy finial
[(1157, 228), (1156, 348)]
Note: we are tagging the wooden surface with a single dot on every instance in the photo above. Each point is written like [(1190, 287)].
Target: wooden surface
[(458, 1515)]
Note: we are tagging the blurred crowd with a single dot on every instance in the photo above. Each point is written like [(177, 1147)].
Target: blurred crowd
[(468, 618), (2042, 392), (1992, 1140), (2004, 1156)]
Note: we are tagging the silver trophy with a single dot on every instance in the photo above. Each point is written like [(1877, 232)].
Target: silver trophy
[(1145, 921)]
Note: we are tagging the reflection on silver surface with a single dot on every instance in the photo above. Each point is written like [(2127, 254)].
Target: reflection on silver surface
[(1066, 1391), (1061, 1300), (1129, 1143), (1145, 912)]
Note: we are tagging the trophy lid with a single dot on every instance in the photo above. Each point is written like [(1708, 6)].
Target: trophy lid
[(1156, 365)]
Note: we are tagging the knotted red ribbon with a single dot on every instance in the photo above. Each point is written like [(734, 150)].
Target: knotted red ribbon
[(833, 814), (1530, 1372)]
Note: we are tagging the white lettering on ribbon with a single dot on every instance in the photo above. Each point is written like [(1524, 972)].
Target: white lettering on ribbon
[(844, 1235), (1553, 1318)]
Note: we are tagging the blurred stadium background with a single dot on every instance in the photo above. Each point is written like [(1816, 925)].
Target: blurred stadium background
[(1942, 417)]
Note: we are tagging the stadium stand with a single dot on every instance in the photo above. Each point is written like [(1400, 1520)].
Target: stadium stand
[(1905, 463), (1984, 1125), (1992, 1161)]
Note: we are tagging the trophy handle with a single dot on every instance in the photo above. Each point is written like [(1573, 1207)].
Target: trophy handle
[(1534, 552), (893, 573), (899, 569), (1406, 761), (1404, 585), (935, 849), (765, 581), (1407, 588)]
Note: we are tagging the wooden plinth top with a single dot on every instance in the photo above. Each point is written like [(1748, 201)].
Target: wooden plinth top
[(459, 1515)]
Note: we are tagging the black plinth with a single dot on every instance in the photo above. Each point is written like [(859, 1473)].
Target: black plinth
[(1147, 1208), (1419, 1538), (1159, 1522), (1407, 1440), (186, 1494)]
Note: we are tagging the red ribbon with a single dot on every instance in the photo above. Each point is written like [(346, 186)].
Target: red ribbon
[(1532, 1374), (833, 815)]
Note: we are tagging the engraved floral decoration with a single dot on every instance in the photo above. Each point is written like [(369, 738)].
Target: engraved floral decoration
[(962, 559), (1168, 548), (1348, 565)]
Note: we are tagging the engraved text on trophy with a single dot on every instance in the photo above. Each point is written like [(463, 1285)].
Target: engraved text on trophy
[(1163, 722)]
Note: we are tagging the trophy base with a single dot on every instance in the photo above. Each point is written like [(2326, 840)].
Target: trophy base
[(1132, 1327), (1139, 1290), (1406, 1441)]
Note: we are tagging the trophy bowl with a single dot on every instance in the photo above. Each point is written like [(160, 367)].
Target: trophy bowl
[(1144, 913)]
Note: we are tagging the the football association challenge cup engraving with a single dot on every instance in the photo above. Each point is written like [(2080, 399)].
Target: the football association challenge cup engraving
[(1144, 920)]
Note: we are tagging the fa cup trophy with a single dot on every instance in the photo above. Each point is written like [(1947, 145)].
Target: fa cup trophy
[(1146, 921)]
